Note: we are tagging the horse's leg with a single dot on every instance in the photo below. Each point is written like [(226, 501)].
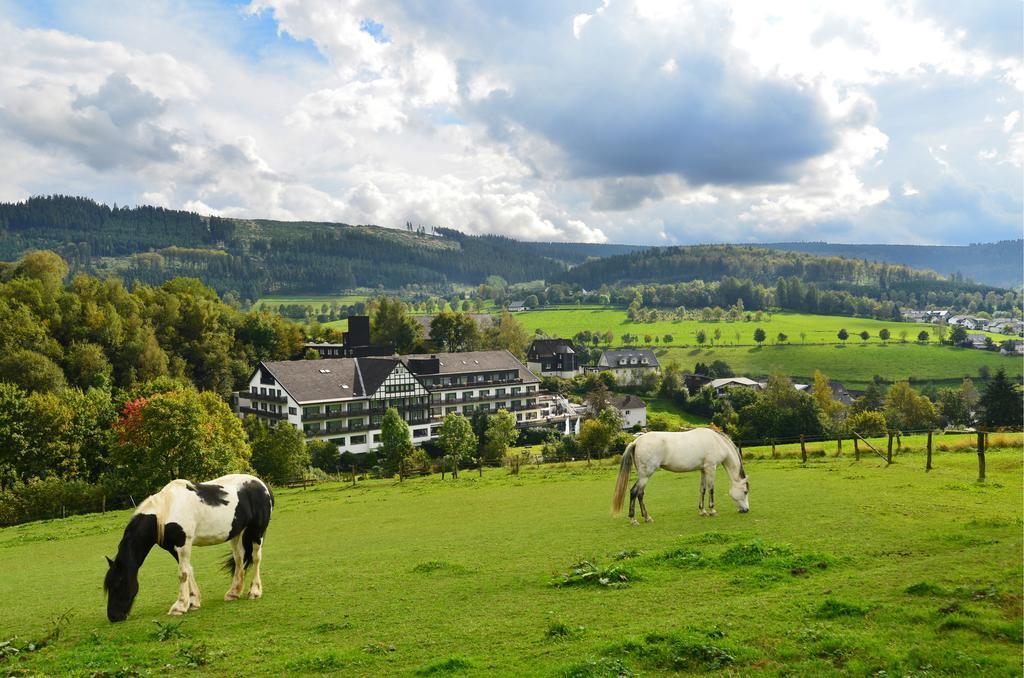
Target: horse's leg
[(632, 504), (238, 576), (195, 599), (184, 568), (703, 489), (711, 490), (641, 488), (256, 588)]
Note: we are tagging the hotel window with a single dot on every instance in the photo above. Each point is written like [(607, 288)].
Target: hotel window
[(357, 440)]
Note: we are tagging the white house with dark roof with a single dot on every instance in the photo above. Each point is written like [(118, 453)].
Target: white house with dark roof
[(632, 409), (342, 400), (629, 365)]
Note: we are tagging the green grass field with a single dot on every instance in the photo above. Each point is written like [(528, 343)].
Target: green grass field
[(816, 329), (852, 364), (676, 418), (840, 568)]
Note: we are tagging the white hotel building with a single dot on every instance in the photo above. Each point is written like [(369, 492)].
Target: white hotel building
[(342, 400)]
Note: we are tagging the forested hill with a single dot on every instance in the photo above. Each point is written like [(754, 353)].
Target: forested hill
[(996, 263), (257, 257), (762, 266)]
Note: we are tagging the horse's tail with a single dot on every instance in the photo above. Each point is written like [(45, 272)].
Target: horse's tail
[(623, 479), (229, 564)]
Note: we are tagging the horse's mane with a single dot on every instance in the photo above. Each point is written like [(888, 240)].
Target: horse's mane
[(157, 505), (732, 445)]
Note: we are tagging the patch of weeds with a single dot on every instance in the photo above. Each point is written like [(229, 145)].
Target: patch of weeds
[(122, 672), (602, 667), (378, 648), (195, 654), (434, 566), (1008, 632), (967, 540), (710, 538), (331, 627), (972, 487), (676, 653), (166, 631), (321, 663), (836, 650), (681, 557), (753, 553), (561, 631), (626, 554), (449, 665), (12, 648), (923, 588), (834, 609), (585, 573)]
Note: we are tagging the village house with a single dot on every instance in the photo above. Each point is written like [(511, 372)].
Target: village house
[(629, 365), (517, 306), (553, 358), (632, 409), (722, 386)]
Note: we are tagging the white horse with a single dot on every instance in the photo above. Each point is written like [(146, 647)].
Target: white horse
[(184, 514), (701, 448)]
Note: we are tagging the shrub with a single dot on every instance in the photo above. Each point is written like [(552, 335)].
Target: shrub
[(48, 498)]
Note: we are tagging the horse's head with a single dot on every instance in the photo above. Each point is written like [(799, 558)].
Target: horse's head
[(740, 494), (121, 585)]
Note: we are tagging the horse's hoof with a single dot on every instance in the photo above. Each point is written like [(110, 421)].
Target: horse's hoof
[(176, 611), (648, 519), (193, 606), (703, 514), (253, 595), (230, 595), (714, 513), (633, 521)]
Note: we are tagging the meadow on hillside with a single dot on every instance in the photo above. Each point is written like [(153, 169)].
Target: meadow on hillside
[(799, 328), (841, 567), (852, 364)]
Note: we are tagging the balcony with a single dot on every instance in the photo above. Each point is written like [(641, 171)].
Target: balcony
[(263, 413), (320, 416), (253, 395), (475, 384)]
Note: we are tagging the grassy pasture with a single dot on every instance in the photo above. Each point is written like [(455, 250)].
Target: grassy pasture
[(853, 364), (840, 568), (567, 321)]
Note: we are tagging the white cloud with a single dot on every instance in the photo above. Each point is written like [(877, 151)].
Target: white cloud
[(497, 119)]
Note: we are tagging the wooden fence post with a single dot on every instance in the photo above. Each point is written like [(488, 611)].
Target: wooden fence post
[(773, 448), (981, 456), (856, 449), (928, 466), (839, 445), (803, 449), (888, 453)]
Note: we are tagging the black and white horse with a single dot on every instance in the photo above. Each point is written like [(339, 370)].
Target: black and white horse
[(184, 514), (701, 449)]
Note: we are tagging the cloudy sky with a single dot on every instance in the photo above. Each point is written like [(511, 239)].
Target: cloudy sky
[(632, 121)]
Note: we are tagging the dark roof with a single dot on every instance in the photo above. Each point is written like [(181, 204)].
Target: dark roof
[(626, 401), (476, 361), (545, 348), (317, 380), (613, 355), (374, 371)]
